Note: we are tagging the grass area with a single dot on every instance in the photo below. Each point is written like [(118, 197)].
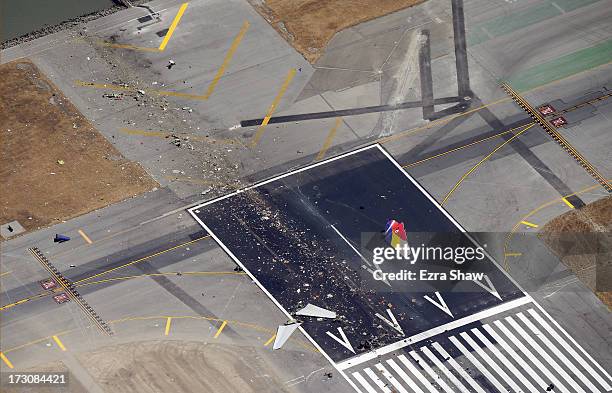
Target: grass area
[(55, 163), (309, 25), (582, 239)]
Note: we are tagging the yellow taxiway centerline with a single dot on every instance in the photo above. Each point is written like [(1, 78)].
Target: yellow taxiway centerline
[(220, 329), (175, 23), (59, 343)]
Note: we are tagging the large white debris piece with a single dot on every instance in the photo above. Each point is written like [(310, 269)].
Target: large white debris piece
[(283, 333), (315, 311)]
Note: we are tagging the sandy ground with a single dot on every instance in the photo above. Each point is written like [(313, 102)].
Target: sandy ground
[(55, 165), (308, 25), (582, 240), (176, 366)]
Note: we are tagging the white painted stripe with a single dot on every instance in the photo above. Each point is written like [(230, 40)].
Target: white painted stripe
[(377, 381), (483, 370), (444, 370), (436, 378), (520, 361), (529, 355), (500, 371), (398, 386), (542, 352), (565, 345), (356, 360), (366, 385), (458, 368), (408, 380), (559, 355)]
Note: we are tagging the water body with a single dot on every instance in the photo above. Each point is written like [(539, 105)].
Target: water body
[(19, 17)]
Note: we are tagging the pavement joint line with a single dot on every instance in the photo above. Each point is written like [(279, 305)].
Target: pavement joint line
[(6, 360), (279, 96), (220, 329), (59, 343), (529, 224), (328, 141), (168, 323), (227, 59), (270, 340), (5, 273), (465, 175), (534, 211), (568, 203), (84, 236), (560, 140), (172, 27)]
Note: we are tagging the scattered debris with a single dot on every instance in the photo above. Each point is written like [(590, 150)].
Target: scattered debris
[(283, 332), (315, 311), (171, 64), (60, 238), (60, 162)]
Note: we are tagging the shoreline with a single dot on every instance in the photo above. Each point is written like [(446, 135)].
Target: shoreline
[(66, 25)]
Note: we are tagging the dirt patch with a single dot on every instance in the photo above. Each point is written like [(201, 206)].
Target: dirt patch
[(173, 366), (55, 165), (582, 239), (73, 386), (309, 25)]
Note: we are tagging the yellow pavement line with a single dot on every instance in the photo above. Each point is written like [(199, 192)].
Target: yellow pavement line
[(59, 343), (5, 360), (142, 259), (461, 147), (126, 46), (175, 23), (110, 86), (279, 95), (568, 203), (513, 254), (220, 329), (160, 274), (27, 299), (168, 322), (529, 224), (84, 236), (537, 209), (270, 340), (5, 273), (228, 58), (329, 139), (480, 162)]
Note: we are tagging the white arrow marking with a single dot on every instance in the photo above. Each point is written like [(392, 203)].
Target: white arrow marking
[(344, 342), (440, 303), (489, 287), (393, 322)]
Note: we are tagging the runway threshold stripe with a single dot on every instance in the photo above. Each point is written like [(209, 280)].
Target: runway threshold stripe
[(6, 361), (366, 385), (377, 380), (542, 352), (558, 352), (483, 370), (406, 378), (444, 370), (565, 345), (517, 358), (432, 374), (504, 360), (398, 386), (220, 329), (59, 343), (450, 360)]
